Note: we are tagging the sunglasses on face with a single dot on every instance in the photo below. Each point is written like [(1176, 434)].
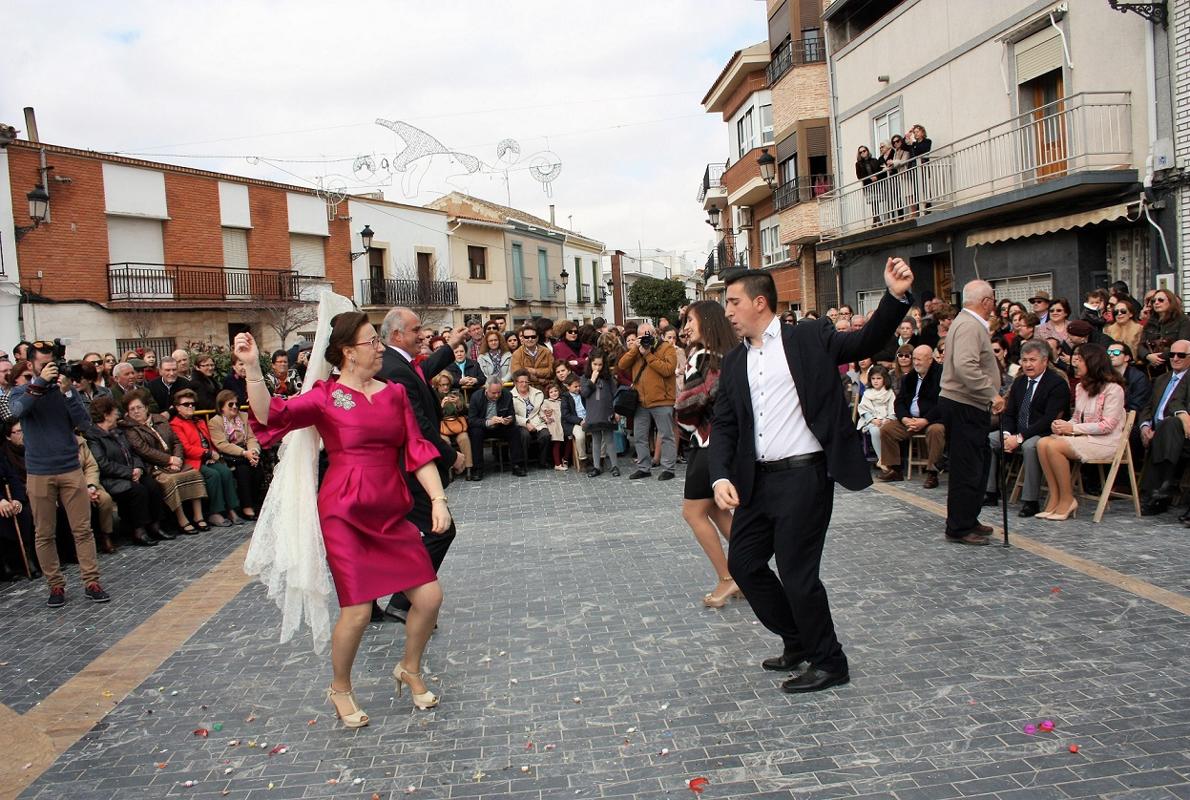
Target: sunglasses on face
[(187, 404), (1173, 354), (1115, 352), (1123, 311), (527, 336), (904, 355)]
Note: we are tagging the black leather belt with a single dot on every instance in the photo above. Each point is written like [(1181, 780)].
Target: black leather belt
[(790, 463)]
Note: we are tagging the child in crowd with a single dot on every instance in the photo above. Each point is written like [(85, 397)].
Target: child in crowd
[(598, 391), (876, 407), (551, 412)]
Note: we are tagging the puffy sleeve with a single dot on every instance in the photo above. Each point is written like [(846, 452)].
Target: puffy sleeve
[(290, 413), (418, 451)]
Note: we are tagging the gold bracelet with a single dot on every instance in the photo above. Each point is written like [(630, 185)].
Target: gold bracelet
[(440, 497), (256, 380)]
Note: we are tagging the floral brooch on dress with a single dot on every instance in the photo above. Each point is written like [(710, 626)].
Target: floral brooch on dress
[(343, 399)]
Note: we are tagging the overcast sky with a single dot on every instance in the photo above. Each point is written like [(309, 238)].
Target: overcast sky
[(612, 87)]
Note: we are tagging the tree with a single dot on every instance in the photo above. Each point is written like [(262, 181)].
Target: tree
[(285, 317), (656, 297)]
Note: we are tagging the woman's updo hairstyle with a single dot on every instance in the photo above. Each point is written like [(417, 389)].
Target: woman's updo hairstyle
[(343, 330)]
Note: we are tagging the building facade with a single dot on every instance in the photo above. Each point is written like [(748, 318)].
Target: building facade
[(139, 253), (625, 269), (1040, 143)]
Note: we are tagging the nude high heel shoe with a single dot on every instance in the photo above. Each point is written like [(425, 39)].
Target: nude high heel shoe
[(357, 718), (727, 588), (1072, 511), (424, 700)]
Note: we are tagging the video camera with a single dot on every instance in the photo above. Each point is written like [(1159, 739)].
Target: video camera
[(648, 341)]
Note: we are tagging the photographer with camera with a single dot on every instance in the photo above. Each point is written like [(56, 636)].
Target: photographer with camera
[(49, 412), (652, 362)]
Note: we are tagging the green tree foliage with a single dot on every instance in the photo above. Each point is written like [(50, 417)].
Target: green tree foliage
[(656, 297)]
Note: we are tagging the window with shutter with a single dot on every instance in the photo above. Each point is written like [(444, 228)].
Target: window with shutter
[(137, 255), (235, 263), (1038, 54), (1020, 289)]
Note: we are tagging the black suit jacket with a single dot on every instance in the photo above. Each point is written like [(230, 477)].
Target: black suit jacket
[(477, 409), (1178, 401), (1138, 390), (396, 369), (164, 397), (814, 353), (1051, 401), (927, 401)]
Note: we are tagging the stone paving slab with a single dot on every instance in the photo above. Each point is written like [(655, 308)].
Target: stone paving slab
[(573, 619)]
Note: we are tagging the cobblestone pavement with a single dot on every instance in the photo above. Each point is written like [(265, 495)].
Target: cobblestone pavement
[(575, 660)]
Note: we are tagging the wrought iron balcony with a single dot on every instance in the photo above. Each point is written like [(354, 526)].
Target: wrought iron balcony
[(584, 294), (1086, 132), (712, 178), (142, 282), (404, 292), (789, 53), (801, 190)]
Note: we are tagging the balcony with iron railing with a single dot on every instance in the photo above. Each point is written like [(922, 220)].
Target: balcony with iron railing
[(790, 53), (153, 284), (1090, 132), (407, 292), (712, 182), (584, 293), (801, 190)]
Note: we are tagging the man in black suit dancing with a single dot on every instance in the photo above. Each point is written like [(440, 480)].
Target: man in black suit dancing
[(399, 331), (782, 437)]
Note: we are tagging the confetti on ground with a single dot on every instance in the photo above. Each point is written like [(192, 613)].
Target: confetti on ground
[(664, 706), (551, 747), (578, 700), (332, 782), (1055, 590), (312, 722), (218, 726), (108, 693), (1030, 729), (1047, 725), (227, 771), (524, 769), (664, 751), (697, 785), (1074, 748), (174, 693), (203, 732), (233, 743), (279, 750), (250, 718), (161, 765), (188, 784), (408, 790), (479, 775), (357, 781), (270, 784)]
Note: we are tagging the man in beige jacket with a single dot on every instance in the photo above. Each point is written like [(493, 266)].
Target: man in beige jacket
[(969, 397)]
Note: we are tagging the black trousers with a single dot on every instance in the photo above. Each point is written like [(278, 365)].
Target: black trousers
[(787, 516), (142, 504), (542, 437), (508, 433), (249, 483), (1167, 448), (967, 434), (421, 515)]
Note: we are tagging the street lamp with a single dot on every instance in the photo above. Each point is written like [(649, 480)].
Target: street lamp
[(565, 276), (39, 209), (365, 236), (768, 168), (713, 217)]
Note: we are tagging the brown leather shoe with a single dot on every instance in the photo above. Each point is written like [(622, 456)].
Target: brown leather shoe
[(970, 538), (890, 475), (931, 481), (982, 530), (105, 543)]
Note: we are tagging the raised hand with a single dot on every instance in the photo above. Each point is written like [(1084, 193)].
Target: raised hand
[(898, 277), (245, 349)]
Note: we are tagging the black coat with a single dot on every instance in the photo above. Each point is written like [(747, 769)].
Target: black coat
[(813, 353), (477, 409), (471, 369), (1051, 401), (424, 400), (570, 416), (927, 401), (115, 457), (164, 397), (1137, 391), (869, 170)]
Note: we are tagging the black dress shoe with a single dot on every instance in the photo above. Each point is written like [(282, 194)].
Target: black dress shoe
[(636, 476), (139, 537), (1029, 508), (1185, 517), (377, 614), (1154, 507), (814, 680), (786, 662), (519, 472), (665, 476), (162, 536), (991, 499), (476, 475)]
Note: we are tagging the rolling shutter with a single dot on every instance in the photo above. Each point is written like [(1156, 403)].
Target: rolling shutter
[(1038, 54), (308, 255)]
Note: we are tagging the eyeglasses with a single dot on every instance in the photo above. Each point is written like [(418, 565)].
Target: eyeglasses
[(186, 404), (375, 340), (1173, 354), (1122, 310), (95, 363), (1160, 300)]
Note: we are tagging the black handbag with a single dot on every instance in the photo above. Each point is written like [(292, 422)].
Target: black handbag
[(627, 399)]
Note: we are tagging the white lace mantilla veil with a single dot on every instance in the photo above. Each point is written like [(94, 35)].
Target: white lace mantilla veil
[(286, 552)]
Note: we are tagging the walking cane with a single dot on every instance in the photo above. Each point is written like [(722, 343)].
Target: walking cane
[(1002, 477), (20, 540)]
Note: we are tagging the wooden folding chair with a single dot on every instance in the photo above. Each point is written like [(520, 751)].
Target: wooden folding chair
[(1123, 455), (917, 447)]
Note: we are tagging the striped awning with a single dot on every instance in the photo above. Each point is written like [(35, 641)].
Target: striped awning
[(1053, 224)]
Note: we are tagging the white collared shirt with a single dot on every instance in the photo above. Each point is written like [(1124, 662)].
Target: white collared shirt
[(781, 428), (408, 357), (986, 323)]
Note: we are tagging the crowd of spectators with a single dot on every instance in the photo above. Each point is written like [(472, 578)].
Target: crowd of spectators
[(141, 449)]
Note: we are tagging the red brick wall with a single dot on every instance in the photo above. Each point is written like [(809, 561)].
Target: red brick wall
[(742, 171), (338, 254), (753, 83), (193, 234), (268, 241), (70, 251), (788, 280)]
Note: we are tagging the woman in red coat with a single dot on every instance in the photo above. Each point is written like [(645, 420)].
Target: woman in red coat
[(201, 455)]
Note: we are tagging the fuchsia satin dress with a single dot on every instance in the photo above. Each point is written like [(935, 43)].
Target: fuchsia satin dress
[(370, 547)]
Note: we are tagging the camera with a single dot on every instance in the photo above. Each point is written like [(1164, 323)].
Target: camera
[(648, 341)]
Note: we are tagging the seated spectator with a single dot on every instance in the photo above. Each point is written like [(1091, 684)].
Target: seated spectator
[(569, 349), (1007, 371), (1056, 326), (1165, 430), (1093, 431), (84, 377), (103, 507), (237, 381), (123, 381), (453, 427), (902, 366), (534, 358), (151, 372), (1026, 330), (876, 407), (1080, 332), (495, 361), (164, 387), (1124, 327), (490, 415), (16, 517), (279, 380), (465, 373), (1166, 324), (183, 360), (152, 438), (562, 372), (551, 415), (917, 412), (200, 454), (512, 341), (574, 416), (935, 332), (1038, 396), (1137, 388), (232, 436), (202, 381), (123, 474), (526, 401)]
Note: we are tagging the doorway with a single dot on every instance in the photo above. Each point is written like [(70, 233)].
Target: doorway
[(1044, 95), (376, 276), (234, 329)]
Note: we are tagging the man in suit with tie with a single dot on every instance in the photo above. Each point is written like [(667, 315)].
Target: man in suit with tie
[(1038, 396), (916, 407), (783, 436), (1165, 432), (400, 331)]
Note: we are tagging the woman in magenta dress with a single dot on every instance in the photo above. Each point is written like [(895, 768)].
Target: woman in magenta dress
[(369, 432)]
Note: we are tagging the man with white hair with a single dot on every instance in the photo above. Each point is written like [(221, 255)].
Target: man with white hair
[(123, 381), (183, 359), (969, 396)]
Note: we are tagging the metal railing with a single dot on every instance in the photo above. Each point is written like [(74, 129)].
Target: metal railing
[(584, 294), (788, 53), (801, 190), (141, 281), (712, 178), (404, 292), (1084, 132)]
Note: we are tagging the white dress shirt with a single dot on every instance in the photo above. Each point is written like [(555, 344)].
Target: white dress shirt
[(781, 428)]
